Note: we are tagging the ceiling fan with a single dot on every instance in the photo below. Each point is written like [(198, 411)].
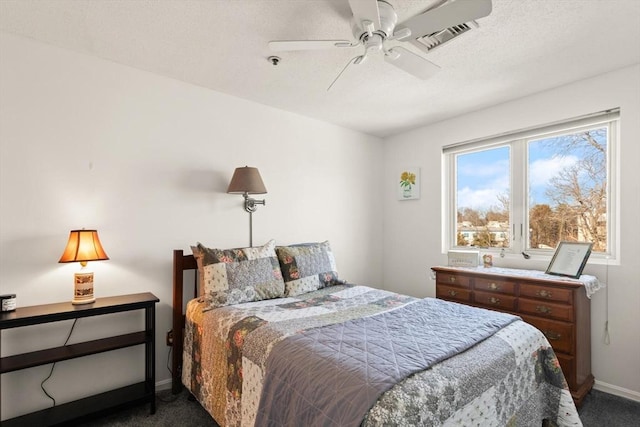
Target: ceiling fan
[(374, 24)]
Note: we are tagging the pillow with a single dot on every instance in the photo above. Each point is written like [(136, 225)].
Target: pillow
[(307, 267), (232, 276)]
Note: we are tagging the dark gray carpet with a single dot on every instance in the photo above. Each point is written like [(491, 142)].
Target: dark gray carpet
[(598, 410), (171, 411), (604, 409)]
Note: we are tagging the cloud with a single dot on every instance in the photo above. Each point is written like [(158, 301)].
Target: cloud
[(482, 186), (482, 198), (479, 187), (541, 171)]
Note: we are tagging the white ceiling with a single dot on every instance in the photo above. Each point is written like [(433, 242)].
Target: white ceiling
[(522, 47)]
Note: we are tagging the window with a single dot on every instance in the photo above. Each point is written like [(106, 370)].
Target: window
[(530, 190)]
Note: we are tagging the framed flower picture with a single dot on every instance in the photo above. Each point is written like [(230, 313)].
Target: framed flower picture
[(408, 183)]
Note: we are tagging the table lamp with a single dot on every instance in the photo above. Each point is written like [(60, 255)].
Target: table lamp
[(83, 246)]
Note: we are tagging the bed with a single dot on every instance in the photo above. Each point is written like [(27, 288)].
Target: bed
[(273, 337)]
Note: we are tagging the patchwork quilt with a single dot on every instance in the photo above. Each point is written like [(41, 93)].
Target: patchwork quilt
[(510, 378)]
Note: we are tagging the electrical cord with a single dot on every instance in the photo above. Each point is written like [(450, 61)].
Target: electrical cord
[(175, 396), (168, 359), (607, 337), (53, 365)]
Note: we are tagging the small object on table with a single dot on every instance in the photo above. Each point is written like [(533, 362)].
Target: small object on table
[(8, 302), (487, 260)]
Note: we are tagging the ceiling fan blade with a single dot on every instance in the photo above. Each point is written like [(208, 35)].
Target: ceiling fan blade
[(445, 16), (365, 10), (286, 45), (411, 63)]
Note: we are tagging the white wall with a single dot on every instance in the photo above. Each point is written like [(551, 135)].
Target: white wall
[(146, 160), (412, 233)]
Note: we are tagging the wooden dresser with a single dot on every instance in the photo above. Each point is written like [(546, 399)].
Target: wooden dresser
[(559, 308)]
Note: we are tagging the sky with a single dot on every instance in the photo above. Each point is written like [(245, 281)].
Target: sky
[(484, 175)]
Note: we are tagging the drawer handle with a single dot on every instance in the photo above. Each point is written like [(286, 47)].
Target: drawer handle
[(494, 300), (452, 293), (452, 279), (543, 293), (543, 309), (552, 335), (493, 286)]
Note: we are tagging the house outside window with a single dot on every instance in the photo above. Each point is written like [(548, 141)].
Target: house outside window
[(530, 190)]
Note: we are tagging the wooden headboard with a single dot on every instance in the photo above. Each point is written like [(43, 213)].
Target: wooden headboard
[(181, 262)]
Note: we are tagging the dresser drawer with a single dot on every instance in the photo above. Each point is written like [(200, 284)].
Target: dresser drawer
[(497, 301), (453, 280), (453, 293), (492, 285), (559, 334), (546, 293), (545, 309)]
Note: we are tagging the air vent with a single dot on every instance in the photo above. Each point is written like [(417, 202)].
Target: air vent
[(432, 41)]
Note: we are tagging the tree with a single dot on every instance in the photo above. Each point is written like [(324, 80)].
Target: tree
[(580, 191), (461, 240), (471, 215), (543, 227), (494, 214), (483, 239)]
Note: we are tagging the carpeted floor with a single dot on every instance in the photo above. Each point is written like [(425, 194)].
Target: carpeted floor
[(171, 411), (603, 409), (598, 410)]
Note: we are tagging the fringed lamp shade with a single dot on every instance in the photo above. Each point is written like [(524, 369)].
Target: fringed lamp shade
[(83, 246)]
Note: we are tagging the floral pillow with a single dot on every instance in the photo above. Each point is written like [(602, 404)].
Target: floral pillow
[(307, 267), (232, 276)]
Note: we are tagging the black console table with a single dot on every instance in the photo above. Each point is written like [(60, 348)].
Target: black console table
[(142, 392)]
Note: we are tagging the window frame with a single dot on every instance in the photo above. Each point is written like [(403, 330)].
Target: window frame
[(518, 143)]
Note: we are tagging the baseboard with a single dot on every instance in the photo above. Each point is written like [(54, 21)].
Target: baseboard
[(163, 385), (617, 391)]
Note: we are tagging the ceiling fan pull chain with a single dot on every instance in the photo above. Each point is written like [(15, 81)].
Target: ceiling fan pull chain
[(355, 60)]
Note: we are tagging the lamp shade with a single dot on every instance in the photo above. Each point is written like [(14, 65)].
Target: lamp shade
[(83, 246), (246, 180)]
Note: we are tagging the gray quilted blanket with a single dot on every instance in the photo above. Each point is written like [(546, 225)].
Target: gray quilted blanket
[(512, 378), (363, 358)]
